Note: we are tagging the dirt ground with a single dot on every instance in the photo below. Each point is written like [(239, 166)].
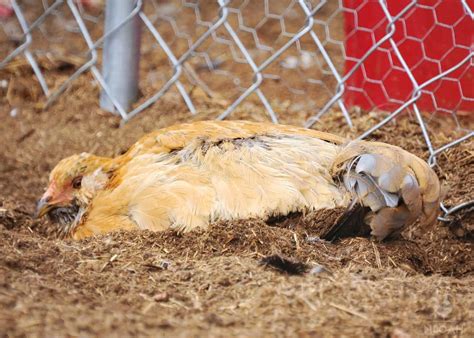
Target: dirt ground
[(213, 283)]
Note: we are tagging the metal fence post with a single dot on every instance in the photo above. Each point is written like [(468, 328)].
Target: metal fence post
[(121, 55)]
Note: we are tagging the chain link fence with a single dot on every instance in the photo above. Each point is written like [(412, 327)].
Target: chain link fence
[(323, 57)]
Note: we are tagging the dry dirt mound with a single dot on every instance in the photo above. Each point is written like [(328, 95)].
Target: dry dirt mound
[(212, 282)]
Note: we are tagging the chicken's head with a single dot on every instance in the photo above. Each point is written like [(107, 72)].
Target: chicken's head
[(72, 184)]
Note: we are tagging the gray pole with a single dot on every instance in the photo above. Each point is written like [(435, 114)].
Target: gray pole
[(121, 55)]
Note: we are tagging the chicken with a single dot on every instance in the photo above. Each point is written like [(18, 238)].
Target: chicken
[(91, 4), (6, 9), (186, 176)]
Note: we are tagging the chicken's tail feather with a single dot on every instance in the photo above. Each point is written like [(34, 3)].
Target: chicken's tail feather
[(351, 223), (395, 185)]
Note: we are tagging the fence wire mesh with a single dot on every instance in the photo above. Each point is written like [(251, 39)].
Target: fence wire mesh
[(326, 56)]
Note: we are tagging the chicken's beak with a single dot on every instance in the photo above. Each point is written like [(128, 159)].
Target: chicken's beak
[(43, 206)]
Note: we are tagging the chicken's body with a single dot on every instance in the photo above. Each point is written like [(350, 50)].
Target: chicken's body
[(186, 176)]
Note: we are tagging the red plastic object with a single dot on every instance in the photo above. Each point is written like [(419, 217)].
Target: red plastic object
[(433, 36)]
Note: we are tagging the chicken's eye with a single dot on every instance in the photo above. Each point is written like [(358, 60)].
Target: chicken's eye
[(76, 182)]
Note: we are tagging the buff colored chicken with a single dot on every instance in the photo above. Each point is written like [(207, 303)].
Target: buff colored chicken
[(187, 176)]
